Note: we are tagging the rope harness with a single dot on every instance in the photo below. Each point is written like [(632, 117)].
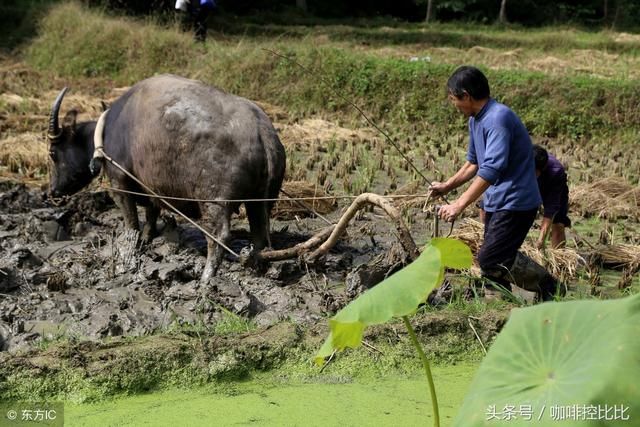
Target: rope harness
[(99, 152)]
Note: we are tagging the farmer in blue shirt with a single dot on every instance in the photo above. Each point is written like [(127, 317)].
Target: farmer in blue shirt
[(500, 162), (552, 182)]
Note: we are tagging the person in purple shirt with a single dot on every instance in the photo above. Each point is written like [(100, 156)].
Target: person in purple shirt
[(552, 182), (500, 162)]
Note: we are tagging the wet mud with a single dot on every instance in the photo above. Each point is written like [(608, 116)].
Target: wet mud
[(73, 270)]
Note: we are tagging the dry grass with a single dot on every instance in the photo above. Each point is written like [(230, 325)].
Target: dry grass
[(619, 256), (24, 154), (312, 131), (631, 197), (606, 198), (612, 186), (563, 263)]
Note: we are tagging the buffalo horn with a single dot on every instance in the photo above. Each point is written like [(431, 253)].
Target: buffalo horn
[(54, 128)]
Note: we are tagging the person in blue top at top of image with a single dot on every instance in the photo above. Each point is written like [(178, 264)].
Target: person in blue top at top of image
[(500, 161), (195, 14), (552, 182)]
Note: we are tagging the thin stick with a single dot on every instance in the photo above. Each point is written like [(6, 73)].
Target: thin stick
[(477, 336), (427, 370), (366, 344), (328, 361), (336, 93)]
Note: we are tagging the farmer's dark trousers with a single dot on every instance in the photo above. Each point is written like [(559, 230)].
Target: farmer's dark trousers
[(504, 232)]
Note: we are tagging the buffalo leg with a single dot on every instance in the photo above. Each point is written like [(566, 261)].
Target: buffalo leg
[(258, 215), (149, 230), (127, 205), (219, 217)]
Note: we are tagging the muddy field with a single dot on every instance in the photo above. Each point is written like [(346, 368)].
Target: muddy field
[(71, 270)]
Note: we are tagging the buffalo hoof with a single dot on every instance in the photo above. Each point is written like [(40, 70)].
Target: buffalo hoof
[(250, 258)]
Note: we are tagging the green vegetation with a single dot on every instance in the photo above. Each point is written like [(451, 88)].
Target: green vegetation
[(573, 104), (578, 353), (269, 401), (80, 371), (398, 296), (18, 20)]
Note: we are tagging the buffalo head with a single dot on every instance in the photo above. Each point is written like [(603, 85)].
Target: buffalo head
[(70, 151)]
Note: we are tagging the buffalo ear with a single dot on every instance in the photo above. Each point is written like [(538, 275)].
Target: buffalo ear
[(70, 119)]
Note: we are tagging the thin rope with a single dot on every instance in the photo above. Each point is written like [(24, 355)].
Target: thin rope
[(130, 175), (362, 113), (185, 199), (307, 207)]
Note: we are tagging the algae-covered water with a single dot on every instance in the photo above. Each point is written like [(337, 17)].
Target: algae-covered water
[(327, 401)]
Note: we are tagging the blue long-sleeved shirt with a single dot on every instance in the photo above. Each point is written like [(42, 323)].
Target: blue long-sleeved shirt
[(501, 147)]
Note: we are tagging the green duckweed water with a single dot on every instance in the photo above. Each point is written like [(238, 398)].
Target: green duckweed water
[(327, 401)]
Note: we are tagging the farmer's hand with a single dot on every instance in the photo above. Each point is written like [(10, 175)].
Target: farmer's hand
[(450, 212), (439, 188)]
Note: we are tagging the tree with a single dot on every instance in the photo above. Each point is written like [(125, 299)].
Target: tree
[(429, 9), (502, 17), (302, 4)]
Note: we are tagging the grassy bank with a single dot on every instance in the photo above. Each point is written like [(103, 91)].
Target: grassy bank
[(78, 371), (409, 95)]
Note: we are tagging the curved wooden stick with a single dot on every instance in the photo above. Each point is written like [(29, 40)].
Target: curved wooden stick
[(297, 250), (374, 199)]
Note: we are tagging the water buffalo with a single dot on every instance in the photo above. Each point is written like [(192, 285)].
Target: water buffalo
[(182, 139)]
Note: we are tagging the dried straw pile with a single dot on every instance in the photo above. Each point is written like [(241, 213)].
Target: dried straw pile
[(562, 263), (631, 197), (312, 131), (289, 209), (613, 186), (619, 256), (24, 154), (608, 198)]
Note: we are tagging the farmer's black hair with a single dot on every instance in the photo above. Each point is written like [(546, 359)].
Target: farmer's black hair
[(470, 80), (541, 157)]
